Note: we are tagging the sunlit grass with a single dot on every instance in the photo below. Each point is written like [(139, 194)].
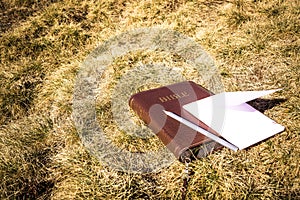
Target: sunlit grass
[(255, 45)]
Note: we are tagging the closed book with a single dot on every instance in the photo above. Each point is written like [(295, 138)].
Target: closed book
[(179, 139)]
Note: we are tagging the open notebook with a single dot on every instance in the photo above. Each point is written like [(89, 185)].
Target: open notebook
[(228, 114)]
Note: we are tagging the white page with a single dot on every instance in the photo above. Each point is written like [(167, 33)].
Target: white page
[(236, 121)]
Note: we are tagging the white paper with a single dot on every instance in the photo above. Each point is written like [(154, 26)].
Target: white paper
[(229, 115)]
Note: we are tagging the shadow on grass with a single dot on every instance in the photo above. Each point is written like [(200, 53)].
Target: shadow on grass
[(265, 104), (11, 14)]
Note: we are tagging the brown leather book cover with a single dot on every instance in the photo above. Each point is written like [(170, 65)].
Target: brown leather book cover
[(179, 139)]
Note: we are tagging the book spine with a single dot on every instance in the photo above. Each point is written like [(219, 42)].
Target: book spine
[(162, 133), (139, 110)]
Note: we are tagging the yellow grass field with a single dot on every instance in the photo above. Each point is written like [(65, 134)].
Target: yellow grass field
[(255, 45)]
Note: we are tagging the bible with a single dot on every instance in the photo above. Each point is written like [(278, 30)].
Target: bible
[(180, 139), (190, 120)]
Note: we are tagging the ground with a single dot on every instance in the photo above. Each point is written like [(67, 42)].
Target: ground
[(254, 44)]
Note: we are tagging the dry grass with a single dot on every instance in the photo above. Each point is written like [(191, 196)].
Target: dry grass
[(255, 45)]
